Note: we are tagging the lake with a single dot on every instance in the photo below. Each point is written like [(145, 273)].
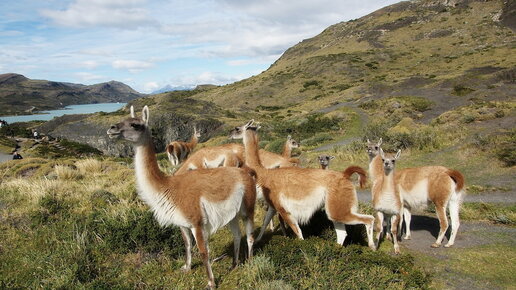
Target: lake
[(69, 110)]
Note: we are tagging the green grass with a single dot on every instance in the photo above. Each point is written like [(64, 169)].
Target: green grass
[(495, 213), (94, 232)]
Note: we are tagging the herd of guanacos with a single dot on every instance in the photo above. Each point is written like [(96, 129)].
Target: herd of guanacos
[(217, 186)]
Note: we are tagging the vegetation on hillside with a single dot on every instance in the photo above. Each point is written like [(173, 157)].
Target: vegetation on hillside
[(79, 223)]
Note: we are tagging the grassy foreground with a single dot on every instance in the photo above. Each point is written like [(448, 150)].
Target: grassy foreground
[(79, 224)]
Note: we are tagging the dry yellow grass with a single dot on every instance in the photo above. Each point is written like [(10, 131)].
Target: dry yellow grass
[(66, 172), (89, 166)]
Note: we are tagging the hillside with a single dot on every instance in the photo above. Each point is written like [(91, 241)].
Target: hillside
[(436, 80), (19, 94), (421, 48)]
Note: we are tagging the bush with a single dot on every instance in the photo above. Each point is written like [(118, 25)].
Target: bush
[(316, 263), (51, 209), (506, 150), (310, 83), (136, 230), (460, 90)]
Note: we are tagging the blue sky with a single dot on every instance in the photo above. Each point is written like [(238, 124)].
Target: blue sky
[(149, 44)]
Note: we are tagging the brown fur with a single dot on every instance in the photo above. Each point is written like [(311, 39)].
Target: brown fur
[(184, 192), (384, 189), (288, 146), (358, 170), (232, 155), (439, 181), (178, 151), (303, 185)]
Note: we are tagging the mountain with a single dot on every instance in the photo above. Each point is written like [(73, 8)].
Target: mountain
[(428, 75), (19, 94), (424, 48), (169, 88)]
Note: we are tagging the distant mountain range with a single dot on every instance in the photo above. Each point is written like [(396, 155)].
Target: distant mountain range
[(19, 95), (169, 88)]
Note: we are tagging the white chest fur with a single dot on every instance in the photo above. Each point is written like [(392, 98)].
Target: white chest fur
[(417, 196), (218, 214), (303, 209), (165, 212)]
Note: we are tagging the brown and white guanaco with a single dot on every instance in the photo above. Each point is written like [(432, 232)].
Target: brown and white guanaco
[(387, 200), (443, 186), (199, 202), (296, 193), (178, 151)]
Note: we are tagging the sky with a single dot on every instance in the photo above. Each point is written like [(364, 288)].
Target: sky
[(149, 44)]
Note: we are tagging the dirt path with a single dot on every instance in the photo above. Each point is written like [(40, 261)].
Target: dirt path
[(363, 119), (5, 157), (491, 197), (444, 263)]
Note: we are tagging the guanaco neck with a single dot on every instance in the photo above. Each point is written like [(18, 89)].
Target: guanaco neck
[(193, 141), (252, 158), (375, 167), (287, 150), (146, 164), (388, 181)]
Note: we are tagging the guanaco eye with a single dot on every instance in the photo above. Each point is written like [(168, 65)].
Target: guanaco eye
[(376, 147)]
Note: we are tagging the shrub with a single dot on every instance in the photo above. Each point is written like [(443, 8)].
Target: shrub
[(66, 172), (460, 90), (506, 150), (136, 230), (275, 146), (317, 139), (310, 83), (316, 263), (102, 198), (89, 166), (51, 209)]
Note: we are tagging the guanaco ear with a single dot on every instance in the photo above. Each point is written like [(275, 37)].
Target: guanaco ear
[(379, 142), (249, 124), (289, 137), (133, 115), (145, 115), (381, 153), (398, 154), (368, 142)]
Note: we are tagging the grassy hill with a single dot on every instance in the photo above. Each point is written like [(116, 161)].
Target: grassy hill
[(19, 94), (418, 48)]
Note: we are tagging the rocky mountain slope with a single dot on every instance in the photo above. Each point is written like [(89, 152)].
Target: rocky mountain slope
[(19, 94), (424, 48), (427, 66)]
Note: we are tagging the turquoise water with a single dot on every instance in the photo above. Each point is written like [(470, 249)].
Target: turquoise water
[(73, 109)]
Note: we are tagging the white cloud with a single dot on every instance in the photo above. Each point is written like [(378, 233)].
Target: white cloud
[(109, 13), (11, 33), (89, 64), (88, 77), (214, 78), (150, 87), (132, 66)]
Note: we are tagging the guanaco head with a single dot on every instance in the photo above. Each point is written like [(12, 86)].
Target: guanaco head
[(238, 132), (389, 160), (324, 160), (292, 143), (373, 149), (131, 129), (196, 133)]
